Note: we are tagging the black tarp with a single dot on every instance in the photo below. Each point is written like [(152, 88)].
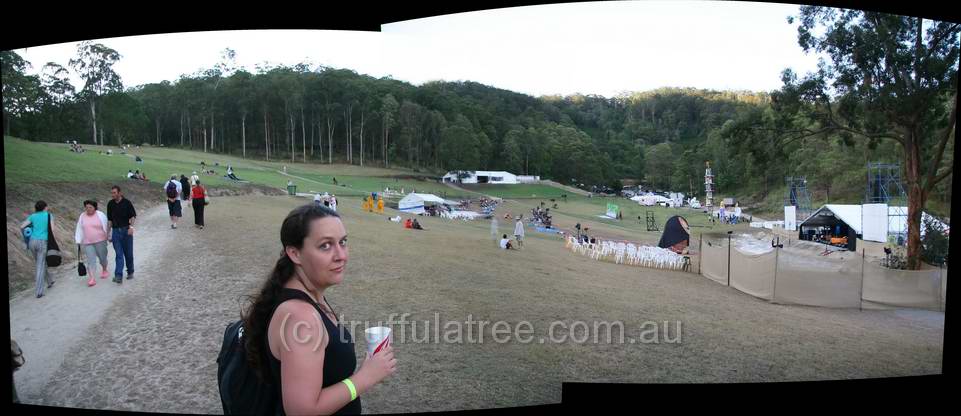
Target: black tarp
[(674, 232)]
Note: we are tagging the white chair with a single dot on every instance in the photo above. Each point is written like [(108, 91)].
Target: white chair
[(619, 252)]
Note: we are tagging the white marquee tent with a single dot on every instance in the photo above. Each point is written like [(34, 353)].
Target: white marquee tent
[(414, 203)]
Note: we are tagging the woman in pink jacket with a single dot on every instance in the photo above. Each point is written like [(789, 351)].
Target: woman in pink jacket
[(92, 235)]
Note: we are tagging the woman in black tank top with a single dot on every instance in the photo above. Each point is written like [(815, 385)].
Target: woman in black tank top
[(310, 370)]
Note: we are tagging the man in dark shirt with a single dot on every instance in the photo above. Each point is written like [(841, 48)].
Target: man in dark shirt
[(121, 216)]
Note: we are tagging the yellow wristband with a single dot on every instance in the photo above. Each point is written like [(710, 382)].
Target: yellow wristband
[(350, 386)]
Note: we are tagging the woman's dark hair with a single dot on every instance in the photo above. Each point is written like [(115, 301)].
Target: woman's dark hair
[(40, 205), (292, 233), (91, 203), (505, 236)]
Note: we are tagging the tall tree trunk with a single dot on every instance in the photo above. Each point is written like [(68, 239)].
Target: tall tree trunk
[(190, 131), (243, 134), (203, 121), (212, 127), (93, 118), (266, 137), (362, 137), (293, 138), (303, 132), (330, 141), (916, 197), (313, 129), (181, 128)]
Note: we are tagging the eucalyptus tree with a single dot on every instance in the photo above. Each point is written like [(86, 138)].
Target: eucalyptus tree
[(889, 77), (16, 86), (94, 62), (388, 109)]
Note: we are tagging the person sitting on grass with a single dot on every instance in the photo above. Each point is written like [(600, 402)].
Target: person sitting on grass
[(230, 173), (130, 175), (506, 243), (408, 223), (416, 225)]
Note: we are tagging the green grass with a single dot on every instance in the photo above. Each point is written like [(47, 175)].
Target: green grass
[(33, 162), (519, 191), (358, 184)]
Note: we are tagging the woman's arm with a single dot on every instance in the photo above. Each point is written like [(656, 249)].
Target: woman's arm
[(303, 341), (104, 222), (78, 234), (24, 224)]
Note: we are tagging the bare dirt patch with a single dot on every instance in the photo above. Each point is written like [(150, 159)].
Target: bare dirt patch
[(155, 349)]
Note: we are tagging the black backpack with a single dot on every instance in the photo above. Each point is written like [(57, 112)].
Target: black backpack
[(171, 189), (241, 391)]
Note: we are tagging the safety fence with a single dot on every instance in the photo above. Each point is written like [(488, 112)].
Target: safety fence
[(794, 275)]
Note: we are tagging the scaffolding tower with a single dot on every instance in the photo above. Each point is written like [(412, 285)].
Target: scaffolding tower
[(884, 187), (708, 187), (797, 196)]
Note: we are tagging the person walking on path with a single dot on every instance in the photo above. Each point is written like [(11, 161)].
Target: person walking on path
[(173, 191), (519, 231), (121, 217), (184, 188), (91, 234), (40, 223), (199, 196), (333, 202), (194, 178)]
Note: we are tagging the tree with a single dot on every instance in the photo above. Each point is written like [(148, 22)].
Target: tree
[(659, 165), (890, 78), (388, 108), (94, 63), (19, 90), (510, 157)]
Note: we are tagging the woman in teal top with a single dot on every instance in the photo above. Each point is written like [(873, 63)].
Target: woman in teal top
[(39, 223)]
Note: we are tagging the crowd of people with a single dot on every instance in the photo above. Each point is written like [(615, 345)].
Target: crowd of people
[(76, 147), (93, 231), (138, 175), (729, 216), (487, 205), (541, 216), (373, 203), (327, 200)]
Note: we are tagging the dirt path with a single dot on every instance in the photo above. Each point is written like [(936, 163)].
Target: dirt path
[(154, 348), (47, 328)]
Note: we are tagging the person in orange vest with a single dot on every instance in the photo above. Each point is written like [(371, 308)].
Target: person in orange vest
[(380, 205)]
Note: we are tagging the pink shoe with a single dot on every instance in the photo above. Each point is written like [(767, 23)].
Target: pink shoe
[(104, 274), (91, 282)]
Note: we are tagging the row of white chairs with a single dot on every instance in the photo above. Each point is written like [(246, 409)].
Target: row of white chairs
[(635, 255), (459, 215)]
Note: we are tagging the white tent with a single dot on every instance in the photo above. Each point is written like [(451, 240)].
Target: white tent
[(850, 214), (650, 200), (898, 223), (414, 203)]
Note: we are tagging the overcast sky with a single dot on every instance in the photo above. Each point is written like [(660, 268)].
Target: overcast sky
[(599, 48)]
